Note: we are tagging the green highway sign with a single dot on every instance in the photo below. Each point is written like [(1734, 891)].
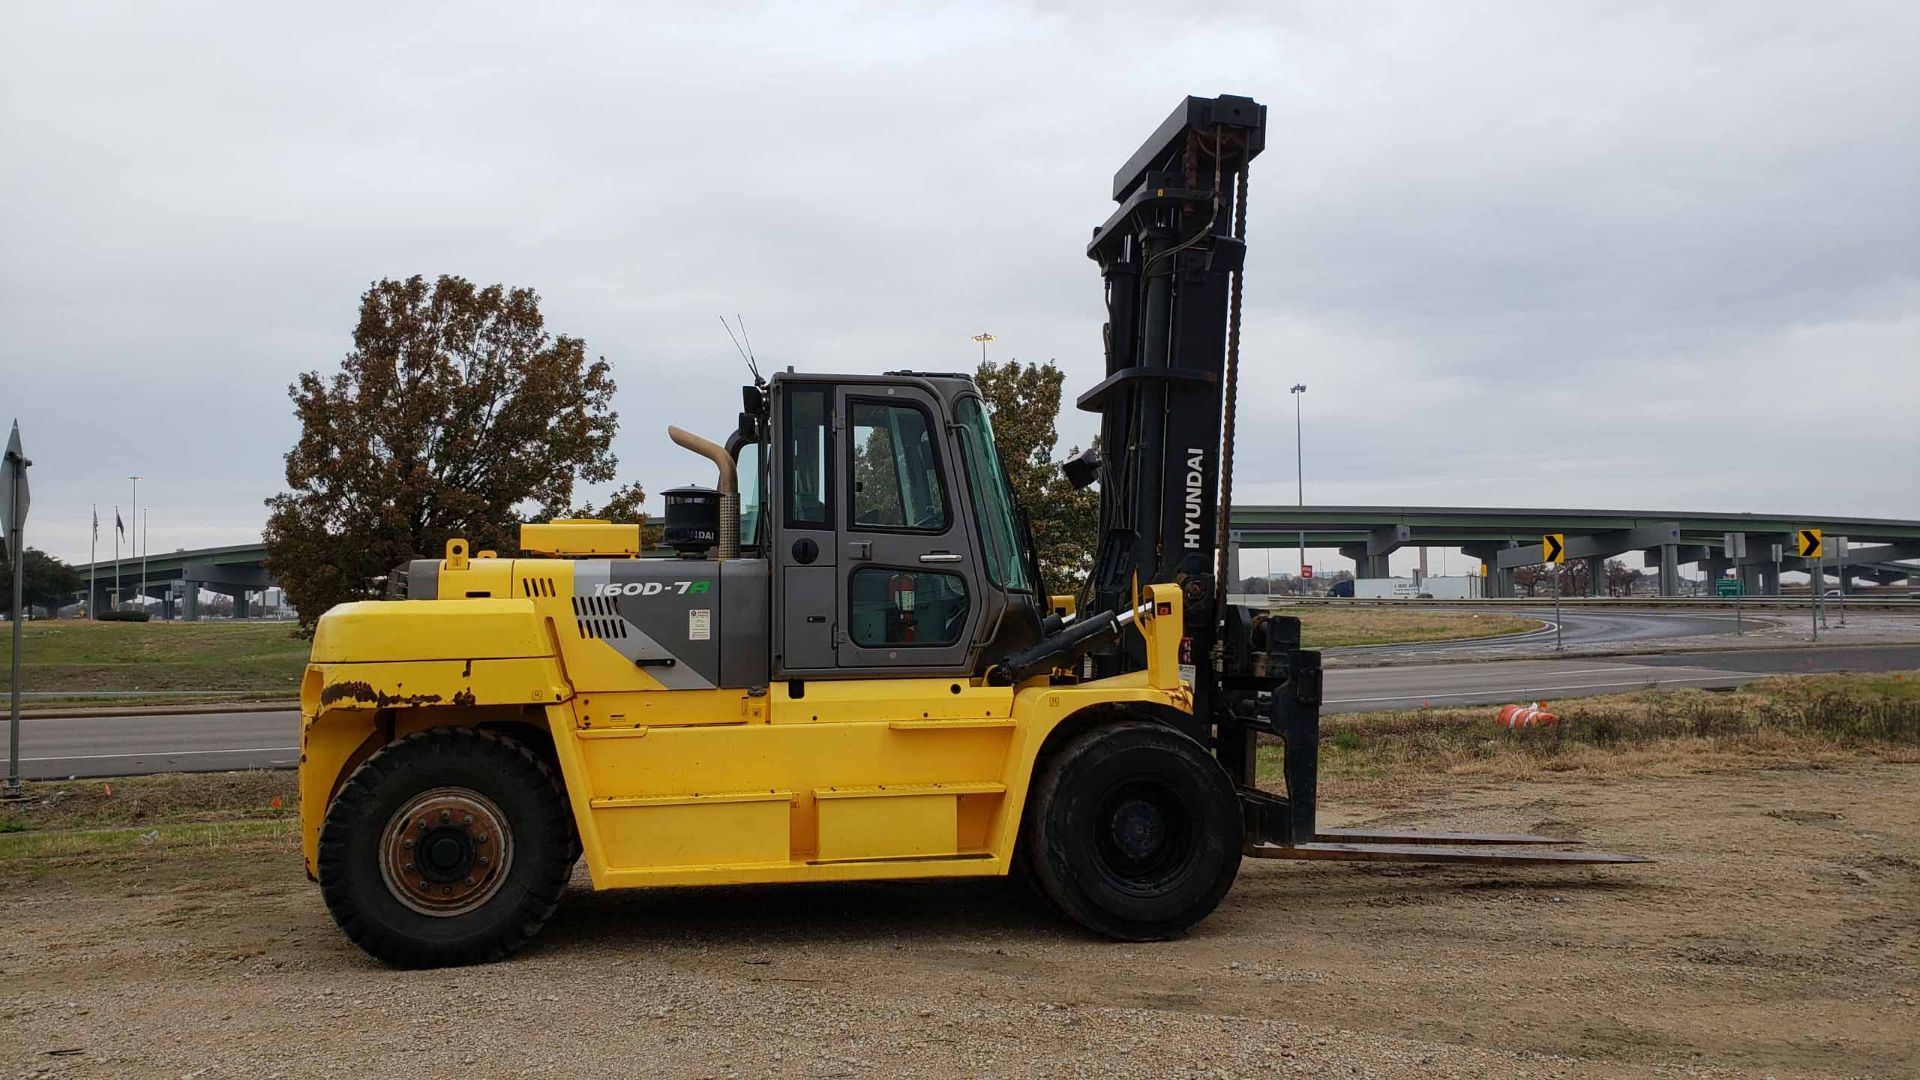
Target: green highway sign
[(1729, 587)]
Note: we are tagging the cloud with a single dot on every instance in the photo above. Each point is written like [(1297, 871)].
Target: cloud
[(1567, 254)]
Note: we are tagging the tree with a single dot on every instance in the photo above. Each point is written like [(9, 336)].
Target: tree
[(1024, 400), (46, 582), (454, 415), (1621, 578)]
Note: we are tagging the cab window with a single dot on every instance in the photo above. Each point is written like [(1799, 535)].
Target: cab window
[(807, 453), (894, 608), (895, 473), (748, 469)]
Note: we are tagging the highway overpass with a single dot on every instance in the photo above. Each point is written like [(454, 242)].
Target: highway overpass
[(237, 570), (1882, 550)]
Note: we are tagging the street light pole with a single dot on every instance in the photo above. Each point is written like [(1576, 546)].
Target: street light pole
[(983, 338), (1299, 469)]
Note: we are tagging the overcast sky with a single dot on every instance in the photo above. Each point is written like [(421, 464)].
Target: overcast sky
[(1661, 256)]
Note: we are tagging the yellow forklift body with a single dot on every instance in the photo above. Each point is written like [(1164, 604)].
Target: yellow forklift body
[(861, 778)]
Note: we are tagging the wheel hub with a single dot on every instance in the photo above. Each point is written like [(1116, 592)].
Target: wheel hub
[(1138, 828), (1143, 833), (446, 852)]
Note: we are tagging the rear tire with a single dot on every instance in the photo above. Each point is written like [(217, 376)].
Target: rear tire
[(1134, 831), (449, 846)]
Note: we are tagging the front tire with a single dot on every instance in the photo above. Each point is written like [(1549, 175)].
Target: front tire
[(1134, 831), (449, 846)]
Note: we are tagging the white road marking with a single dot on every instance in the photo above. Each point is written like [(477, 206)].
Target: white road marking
[(166, 754), (151, 716)]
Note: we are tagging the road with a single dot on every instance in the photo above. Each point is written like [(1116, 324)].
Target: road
[(56, 747), (1578, 627)]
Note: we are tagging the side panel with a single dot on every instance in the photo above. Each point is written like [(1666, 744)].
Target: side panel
[(661, 614), (745, 629), (878, 779)]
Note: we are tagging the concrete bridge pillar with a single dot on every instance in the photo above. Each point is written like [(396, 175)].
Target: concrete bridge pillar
[(1596, 575), (1769, 579), (241, 610), (1669, 570)]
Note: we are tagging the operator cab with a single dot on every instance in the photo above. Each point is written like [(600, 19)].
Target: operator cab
[(893, 538)]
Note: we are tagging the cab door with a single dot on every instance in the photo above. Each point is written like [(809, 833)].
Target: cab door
[(805, 546), (908, 577)]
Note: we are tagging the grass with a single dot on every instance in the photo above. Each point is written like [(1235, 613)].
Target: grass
[(1808, 720), (67, 822), (1326, 628), (76, 658)]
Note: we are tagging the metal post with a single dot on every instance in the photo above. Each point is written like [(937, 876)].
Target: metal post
[(93, 568), (1559, 645), (1818, 581), (1299, 465), (18, 558), (1840, 559), (143, 559), (14, 484), (134, 540)]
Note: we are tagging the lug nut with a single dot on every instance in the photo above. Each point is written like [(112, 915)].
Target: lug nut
[(467, 820), (407, 869), (425, 887), (408, 842), (469, 881), (446, 816), (483, 860), (480, 839)]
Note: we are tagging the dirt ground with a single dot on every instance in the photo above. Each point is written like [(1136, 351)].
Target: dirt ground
[(1779, 934)]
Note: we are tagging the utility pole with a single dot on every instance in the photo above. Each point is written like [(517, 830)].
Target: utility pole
[(93, 568), (983, 338), (1299, 468), (144, 514)]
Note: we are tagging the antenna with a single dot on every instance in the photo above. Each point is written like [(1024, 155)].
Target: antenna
[(745, 353)]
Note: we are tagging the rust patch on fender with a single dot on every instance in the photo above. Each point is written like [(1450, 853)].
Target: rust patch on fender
[(361, 691)]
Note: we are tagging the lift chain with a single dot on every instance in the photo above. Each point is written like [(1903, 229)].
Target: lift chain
[(1224, 577)]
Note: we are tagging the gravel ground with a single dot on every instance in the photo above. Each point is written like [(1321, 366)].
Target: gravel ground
[(1778, 935)]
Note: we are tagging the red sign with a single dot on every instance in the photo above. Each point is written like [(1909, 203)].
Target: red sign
[(1306, 573)]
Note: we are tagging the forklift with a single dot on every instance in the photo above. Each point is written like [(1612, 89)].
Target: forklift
[(849, 668)]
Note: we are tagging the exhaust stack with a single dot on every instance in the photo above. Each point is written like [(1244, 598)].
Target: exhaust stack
[(728, 486)]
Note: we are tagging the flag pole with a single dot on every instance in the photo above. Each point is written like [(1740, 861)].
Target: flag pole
[(93, 568), (118, 528), (144, 516)]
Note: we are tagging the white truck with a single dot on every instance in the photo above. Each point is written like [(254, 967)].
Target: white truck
[(1463, 587)]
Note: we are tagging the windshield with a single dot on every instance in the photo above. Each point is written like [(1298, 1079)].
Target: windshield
[(992, 500)]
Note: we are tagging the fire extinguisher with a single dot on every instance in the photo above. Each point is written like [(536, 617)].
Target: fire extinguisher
[(900, 591)]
